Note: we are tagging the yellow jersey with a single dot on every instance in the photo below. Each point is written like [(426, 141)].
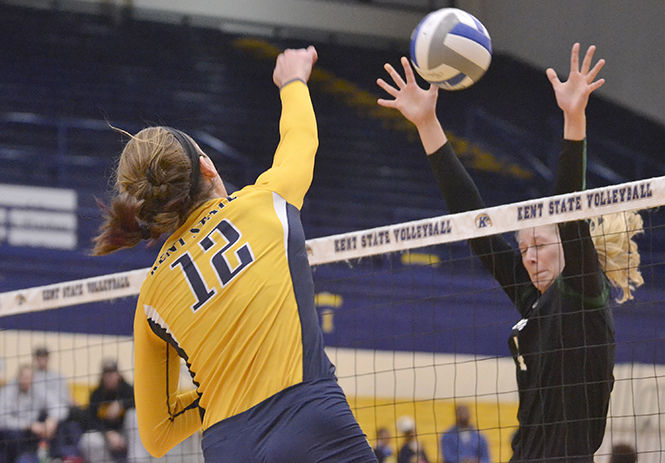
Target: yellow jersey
[(232, 294)]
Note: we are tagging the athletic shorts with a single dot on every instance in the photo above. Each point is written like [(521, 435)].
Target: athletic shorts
[(308, 422)]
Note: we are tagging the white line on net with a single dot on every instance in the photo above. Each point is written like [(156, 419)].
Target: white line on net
[(641, 194)]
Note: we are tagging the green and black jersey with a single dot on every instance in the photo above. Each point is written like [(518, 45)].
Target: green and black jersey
[(563, 346)]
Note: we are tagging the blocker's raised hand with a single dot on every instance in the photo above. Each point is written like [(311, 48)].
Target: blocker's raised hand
[(572, 95), (415, 103)]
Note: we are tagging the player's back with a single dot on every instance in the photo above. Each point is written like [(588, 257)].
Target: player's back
[(223, 293)]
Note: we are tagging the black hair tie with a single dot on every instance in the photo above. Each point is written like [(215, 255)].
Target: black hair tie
[(193, 154)]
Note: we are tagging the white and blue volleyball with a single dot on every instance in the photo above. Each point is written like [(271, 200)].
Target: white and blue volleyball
[(451, 48)]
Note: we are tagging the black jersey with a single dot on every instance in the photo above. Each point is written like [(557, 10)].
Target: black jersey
[(563, 346)]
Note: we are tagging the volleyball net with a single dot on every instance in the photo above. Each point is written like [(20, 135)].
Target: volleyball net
[(413, 322)]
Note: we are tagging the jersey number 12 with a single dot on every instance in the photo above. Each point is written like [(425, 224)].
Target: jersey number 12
[(218, 260)]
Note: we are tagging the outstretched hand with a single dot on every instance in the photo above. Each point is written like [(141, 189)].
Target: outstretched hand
[(572, 95), (415, 103), (294, 64)]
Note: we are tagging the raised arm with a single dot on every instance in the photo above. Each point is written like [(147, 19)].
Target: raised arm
[(293, 166), (460, 192), (581, 270), (165, 417)]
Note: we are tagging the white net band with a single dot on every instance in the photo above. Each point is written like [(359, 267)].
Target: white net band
[(642, 194)]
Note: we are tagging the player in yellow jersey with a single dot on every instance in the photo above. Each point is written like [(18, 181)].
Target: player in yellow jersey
[(231, 293)]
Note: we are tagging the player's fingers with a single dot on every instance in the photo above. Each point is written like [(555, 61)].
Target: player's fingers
[(275, 73), (596, 85), (408, 72), (586, 63), (314, 54), (386, 103), (596, 69), (551, 75), (392, 91), (395, 76), (575, 58)]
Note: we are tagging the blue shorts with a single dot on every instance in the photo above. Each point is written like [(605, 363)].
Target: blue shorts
[(308, 422)]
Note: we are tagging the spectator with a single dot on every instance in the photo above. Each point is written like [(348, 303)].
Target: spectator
[(28, 418), (113, 430), (462, 443), (412, 451), (383, 450), (623, 453), (48, 379)]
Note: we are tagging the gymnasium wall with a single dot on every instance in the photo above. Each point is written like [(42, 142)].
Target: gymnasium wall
[(628, 34)]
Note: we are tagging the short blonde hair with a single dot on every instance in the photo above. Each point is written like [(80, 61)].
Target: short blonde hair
[(613, 237)]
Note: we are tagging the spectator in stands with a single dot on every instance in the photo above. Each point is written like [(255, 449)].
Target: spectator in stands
[(48, 381), (623, 453), (411, 451), (559, 279), (463, 443), (383, 450), (113, 430), (28, 418)]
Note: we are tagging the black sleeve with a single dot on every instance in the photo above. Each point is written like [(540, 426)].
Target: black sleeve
[(581, 271), (93, 410), (127, 393), (462, 195)]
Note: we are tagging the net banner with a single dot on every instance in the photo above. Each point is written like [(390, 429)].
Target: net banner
[(635, 195), (640, 194), (68, 293)]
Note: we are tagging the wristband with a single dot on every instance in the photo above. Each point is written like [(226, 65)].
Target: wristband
[(292, 80)]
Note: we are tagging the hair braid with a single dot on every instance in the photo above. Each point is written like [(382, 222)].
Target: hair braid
[(153, 192)]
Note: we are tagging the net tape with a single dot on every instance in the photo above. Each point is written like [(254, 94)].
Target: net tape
[(641, 194)]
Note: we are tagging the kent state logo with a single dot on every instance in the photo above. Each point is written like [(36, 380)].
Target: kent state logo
[(483, 221)]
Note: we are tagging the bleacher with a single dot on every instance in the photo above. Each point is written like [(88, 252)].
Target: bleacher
[(67, 76)]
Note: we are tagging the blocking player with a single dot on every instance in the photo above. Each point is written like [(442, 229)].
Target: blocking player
[(558, 280)]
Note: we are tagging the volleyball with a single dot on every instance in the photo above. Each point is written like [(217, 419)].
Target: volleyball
[(451, 48)]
